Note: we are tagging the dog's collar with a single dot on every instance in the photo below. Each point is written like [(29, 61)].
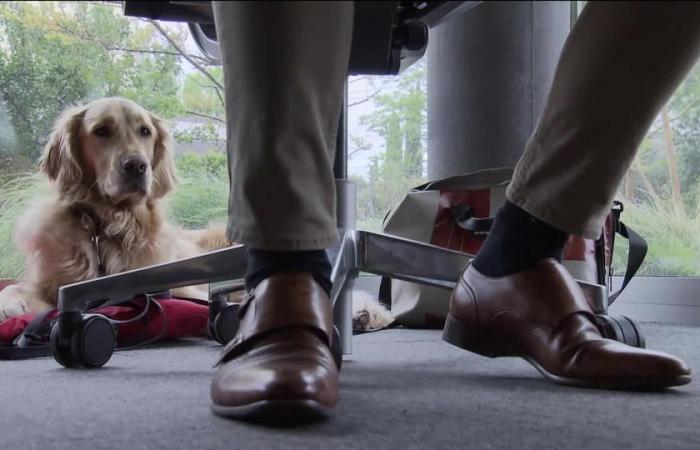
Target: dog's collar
[(91, 222)]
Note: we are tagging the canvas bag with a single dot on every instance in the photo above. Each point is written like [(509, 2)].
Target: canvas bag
[(457, 213)]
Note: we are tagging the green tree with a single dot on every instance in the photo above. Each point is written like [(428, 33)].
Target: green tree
[(399, 119), (651, 179), (60, 53), (39, 75), (200, 96), (686, 108), (670, 227)]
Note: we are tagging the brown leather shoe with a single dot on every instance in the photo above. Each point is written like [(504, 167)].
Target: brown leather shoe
[(542, 315), (279, 366)]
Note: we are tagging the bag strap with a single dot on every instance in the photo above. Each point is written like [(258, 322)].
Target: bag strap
[(385, 293), (463, 217), (32, 342), (37, 330), (635, 256)]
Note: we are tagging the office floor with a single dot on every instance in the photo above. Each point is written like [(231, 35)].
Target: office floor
[(400, 389)]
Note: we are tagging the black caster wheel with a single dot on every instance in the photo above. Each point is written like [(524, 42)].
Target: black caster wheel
[(224, 326), (622, 329), (84, 341), (336, 348)]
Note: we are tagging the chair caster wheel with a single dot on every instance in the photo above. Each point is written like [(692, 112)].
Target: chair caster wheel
[(621, 328), (336, 348), (224, 326), (83, 340)]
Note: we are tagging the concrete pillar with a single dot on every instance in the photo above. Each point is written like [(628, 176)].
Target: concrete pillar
[(489, 72)]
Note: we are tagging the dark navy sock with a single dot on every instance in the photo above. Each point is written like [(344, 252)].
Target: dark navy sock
[(263, 263), (517, 242)]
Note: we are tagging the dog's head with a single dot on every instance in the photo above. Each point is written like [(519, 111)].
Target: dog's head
[(111, 147)]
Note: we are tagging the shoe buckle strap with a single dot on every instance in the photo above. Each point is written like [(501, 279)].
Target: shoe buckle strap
[(259, 319), (228, 353), (240, 343)]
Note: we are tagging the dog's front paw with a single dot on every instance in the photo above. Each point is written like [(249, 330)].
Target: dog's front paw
[(368, 314), (199, 292), (12, 303)]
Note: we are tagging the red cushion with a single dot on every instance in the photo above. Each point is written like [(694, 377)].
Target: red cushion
[(184, 319)]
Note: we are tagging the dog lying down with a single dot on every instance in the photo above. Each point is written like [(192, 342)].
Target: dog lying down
[(110, 163)]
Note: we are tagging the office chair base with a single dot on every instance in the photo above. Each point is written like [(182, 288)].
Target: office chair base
[(358, 251)]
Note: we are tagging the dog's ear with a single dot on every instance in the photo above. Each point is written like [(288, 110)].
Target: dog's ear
[(60, 160), (164, 171)]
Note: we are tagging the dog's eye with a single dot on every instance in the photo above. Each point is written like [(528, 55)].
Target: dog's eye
[(101, 132), (145, 131)]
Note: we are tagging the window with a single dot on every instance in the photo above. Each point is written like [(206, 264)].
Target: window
[(661, 191), (56, 54)]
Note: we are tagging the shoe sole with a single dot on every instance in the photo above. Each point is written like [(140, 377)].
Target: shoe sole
[(275, 411), (639, 384), (457, 333)]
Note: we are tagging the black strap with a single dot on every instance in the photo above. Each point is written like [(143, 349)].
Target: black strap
[(385, 293), (635, 256), (33, 342), (463, 216), (36, 332)]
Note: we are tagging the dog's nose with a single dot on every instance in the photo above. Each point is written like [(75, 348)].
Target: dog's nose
[(134, 166)]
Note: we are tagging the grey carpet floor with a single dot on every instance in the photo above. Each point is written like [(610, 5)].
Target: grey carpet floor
[(400, 389)]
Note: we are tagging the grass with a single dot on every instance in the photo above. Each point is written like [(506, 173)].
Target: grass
[(673, 238), (200, 200), (15, 195)]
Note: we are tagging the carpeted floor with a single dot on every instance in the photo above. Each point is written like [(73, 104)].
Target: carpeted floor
[(400, 389)]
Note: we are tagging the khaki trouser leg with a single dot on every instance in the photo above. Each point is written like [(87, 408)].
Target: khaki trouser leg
[(621, 63), (285, 64)]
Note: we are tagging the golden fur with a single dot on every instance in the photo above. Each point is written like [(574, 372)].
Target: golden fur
[(84, 160)]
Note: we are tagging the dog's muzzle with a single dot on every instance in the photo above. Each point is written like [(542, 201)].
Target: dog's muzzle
[(134, 170), (134, 167)]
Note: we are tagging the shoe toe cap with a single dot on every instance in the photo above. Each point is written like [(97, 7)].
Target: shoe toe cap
[(294, 378), (611, 360)]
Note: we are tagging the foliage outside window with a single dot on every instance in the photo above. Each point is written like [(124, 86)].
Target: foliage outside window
[(56, 54), (389, 139)]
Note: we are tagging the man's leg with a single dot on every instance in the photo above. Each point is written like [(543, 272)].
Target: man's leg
[(618, 67), (285, 64)]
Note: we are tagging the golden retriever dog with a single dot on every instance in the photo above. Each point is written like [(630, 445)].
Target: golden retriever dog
[(111, 164)]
